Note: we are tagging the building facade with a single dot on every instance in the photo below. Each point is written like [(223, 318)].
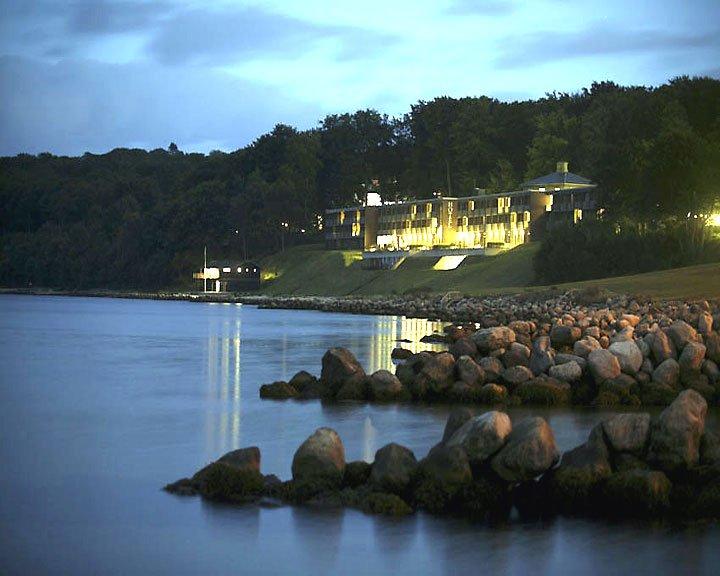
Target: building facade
[(228, 276), (474, 222)]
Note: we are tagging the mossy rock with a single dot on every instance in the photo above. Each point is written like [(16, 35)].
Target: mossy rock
[(278, 391), (637, 493), (654, 394), (572, 490), (356, 474), (432, 496), (543, 391), (483, 498), (696, 493), (224, 482), (386, 504)]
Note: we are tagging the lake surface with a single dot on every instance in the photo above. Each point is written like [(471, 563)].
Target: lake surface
[(104, 401)]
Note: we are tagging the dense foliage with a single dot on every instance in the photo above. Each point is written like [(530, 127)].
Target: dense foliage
[(132, 218)]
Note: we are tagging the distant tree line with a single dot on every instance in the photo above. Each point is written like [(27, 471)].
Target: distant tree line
[(140, 219)]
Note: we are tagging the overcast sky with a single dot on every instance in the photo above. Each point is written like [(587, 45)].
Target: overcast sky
[(92, 75)]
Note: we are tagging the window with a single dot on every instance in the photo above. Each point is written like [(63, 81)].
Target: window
[(471, 205), (342, 217), (226, 269), (239, 269), (428, 208)]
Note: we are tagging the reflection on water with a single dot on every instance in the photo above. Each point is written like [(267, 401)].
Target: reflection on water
[(393, 331), (222, 361)]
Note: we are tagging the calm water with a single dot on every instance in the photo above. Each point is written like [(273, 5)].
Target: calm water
[(104, 401)]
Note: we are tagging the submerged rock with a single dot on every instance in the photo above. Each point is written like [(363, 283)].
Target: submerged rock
[(278, 391)]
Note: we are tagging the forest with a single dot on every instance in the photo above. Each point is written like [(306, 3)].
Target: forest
[(140, 219)]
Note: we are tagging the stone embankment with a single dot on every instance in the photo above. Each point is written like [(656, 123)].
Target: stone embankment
[(584, 355), (485, 465)]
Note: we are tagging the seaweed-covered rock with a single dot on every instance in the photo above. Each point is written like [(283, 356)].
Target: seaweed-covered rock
[(338, 366), (545, 391), (354, 388), (385, 386), (278, 391), (655, 394), (709, 448), (302, 380), (243, 459), (320, 459), (385, 504), (637, 493), (675, 435), (356, 473), (393, 468), (482, 436), (441, 475), (223, 481), (493, 394), (603, 365), (530, 450), (627, 432)]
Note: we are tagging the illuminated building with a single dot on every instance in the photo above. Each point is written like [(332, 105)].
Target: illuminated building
[(228, 276), (481, 222)]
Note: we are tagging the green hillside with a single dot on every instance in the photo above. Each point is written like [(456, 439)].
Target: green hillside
[(314, 271)]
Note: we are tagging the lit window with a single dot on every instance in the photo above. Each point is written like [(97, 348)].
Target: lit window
[(226, 269), (342, 217), (254, 269), (239, 269), (471, 205)]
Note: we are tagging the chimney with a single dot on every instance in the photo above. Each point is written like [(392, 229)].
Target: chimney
[(562, 167)]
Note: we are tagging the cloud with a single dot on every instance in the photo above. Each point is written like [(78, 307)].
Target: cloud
[(78, 105), (118, 16), (216, 37), (551, 46), (480, 7)]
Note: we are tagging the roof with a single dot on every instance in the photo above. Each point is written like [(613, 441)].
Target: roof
[(557, 178)]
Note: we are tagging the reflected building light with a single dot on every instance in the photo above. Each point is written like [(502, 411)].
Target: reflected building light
[(369, 435)]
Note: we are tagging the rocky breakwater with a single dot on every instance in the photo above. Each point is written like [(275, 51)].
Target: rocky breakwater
[(486, 465), (595, 359)]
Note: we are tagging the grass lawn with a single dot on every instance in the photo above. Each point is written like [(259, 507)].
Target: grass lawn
[(314, 271)]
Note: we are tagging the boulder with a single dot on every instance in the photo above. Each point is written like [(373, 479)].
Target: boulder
[(712, 371), (564, 335), (437, 373), (489, 339), (338, 366), (393, 468), (320, 460), (541, 361), (565, 358), (441, 476), (469, 371), (572, 486), (567, 372), (654, 394), (628, 354), (627, 432), (482, 436), (712, 344), (354, 388), (603, 365), (400, 353), (223, 481), (529, 451), (516, 355), (661, 346), (492, 367), (463, 347), (667, 373), (675, 435), (637, 493), (356, 473), (456, 419), (586, 345), (709, 449), (302, 380), (680, 332), (247, 459), (705, 323), (692, 357), (277, 391), (516, 375), (385, 386)]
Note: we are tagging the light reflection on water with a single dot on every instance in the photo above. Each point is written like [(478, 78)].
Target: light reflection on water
[(104, 401)]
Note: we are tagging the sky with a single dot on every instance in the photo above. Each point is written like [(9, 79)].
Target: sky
[(92, 75)]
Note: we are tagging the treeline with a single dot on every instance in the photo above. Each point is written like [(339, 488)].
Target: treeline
[(133, 218)]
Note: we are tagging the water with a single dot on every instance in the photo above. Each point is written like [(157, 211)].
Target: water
[(104, 401)]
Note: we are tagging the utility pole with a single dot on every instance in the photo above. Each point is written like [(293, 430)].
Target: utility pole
[(205, 269)]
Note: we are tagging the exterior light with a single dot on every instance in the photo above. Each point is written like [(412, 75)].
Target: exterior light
[(239, 269), (226, 269), (715, 219)]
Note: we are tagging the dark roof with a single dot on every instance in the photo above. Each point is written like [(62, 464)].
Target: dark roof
[(557, 178), (231, 263)]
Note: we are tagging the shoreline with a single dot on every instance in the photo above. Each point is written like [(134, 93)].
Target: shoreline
[(486, 311)]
